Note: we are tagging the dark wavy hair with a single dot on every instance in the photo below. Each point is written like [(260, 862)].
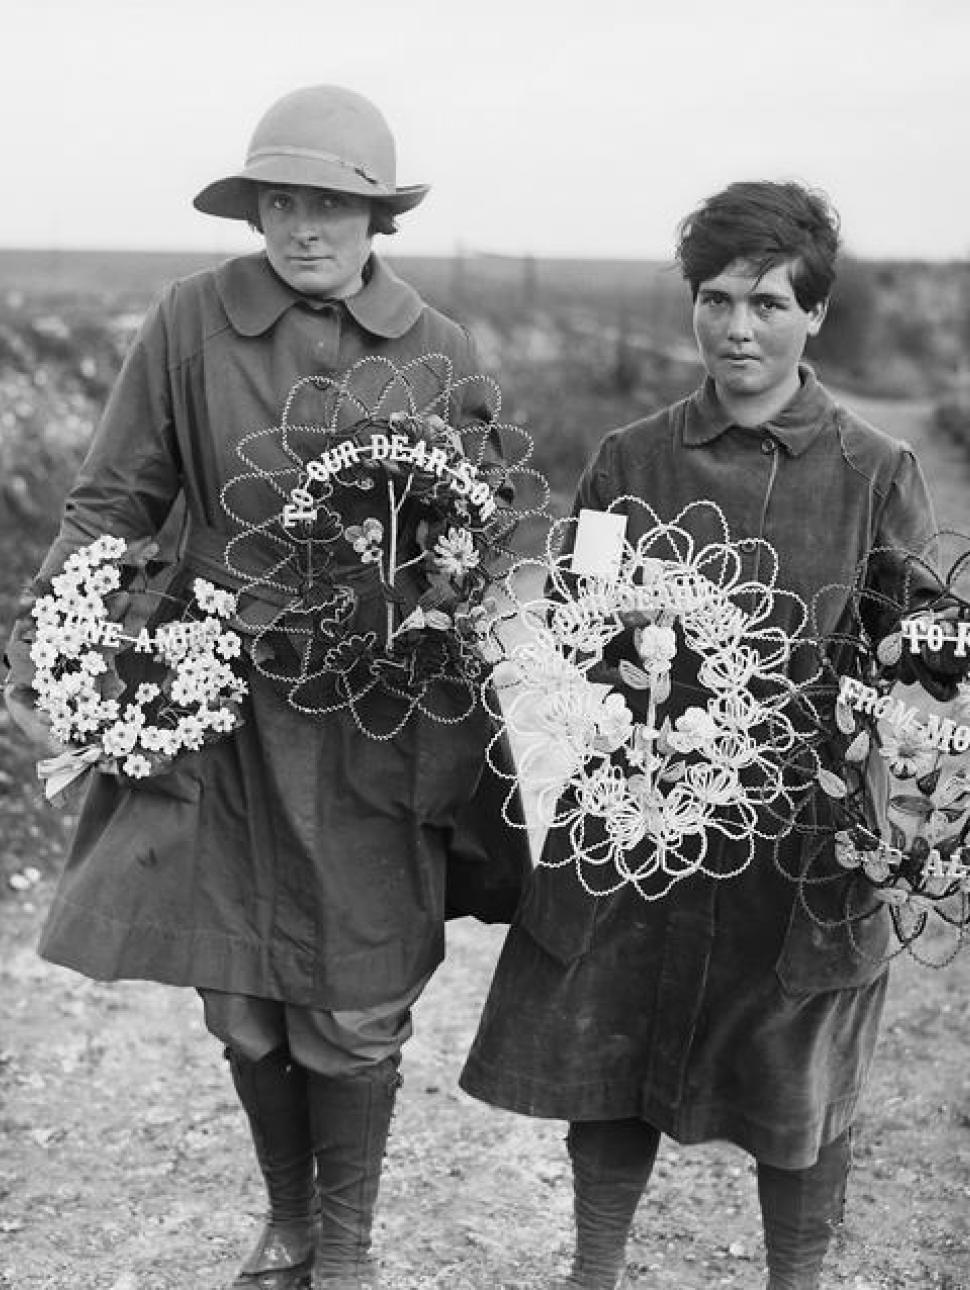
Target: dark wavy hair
[(766, 224)]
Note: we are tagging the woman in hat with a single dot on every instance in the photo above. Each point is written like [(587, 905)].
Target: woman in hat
[(293, 872)]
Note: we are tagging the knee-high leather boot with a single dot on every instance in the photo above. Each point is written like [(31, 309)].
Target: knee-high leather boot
[(273, 1092), (350, 1117)]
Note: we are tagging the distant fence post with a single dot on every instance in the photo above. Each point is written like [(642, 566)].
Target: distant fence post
[(530, 284), (458, 285), (626, 366)]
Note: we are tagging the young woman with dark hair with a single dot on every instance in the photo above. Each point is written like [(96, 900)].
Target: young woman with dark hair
[(721, 1011)]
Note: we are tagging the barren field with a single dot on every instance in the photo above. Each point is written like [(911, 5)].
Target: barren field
[(125, 1163)]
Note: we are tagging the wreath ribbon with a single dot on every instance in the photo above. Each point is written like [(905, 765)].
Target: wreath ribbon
[(57, 773)]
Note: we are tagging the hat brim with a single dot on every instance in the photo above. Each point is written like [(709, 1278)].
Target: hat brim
[(235, 196)]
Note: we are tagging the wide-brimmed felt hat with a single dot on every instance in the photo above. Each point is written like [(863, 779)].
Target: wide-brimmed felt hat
[(322, 136)]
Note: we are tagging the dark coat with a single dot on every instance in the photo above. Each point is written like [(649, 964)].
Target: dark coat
[(298, 859), (721, 1010)]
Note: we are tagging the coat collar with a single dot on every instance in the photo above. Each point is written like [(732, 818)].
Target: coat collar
[(255, 298), (795, 427)]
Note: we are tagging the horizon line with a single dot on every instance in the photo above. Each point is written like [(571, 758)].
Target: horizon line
[(460, 252)]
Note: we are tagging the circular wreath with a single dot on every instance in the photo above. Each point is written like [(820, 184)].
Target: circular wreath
[(371, 534), (892, 728), (127, 682), (608, 747)]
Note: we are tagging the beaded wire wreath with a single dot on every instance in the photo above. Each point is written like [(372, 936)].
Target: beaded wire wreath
[(609, 751), (371, 534), (130, 676), (894, 763)]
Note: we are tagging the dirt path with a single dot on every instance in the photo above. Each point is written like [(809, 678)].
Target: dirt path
[(126, 1166)]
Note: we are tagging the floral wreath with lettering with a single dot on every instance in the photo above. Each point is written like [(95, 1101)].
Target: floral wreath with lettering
[(128, 686), (607, 749), (386, 521), (894, 764)]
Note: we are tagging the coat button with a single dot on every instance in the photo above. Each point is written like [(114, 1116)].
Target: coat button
[(768, 445)]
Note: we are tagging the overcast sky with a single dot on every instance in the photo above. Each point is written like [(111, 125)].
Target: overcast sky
[(550, 127)]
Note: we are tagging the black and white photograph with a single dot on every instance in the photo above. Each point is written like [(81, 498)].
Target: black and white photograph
[(485, 625)]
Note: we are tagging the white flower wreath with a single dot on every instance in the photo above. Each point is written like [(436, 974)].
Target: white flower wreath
[(374, 521), (896, 760), (132, 730), (640, 789)]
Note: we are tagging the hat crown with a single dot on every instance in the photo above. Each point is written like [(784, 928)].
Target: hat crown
[(322, 136), (332, 124)]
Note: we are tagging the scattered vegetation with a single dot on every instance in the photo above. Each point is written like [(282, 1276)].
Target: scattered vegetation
[(578, 347)]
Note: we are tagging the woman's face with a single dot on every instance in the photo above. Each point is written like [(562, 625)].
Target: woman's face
[(751, 331), (318, 241)]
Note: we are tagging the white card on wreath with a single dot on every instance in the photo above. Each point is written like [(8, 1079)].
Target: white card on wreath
[(599, 543)]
